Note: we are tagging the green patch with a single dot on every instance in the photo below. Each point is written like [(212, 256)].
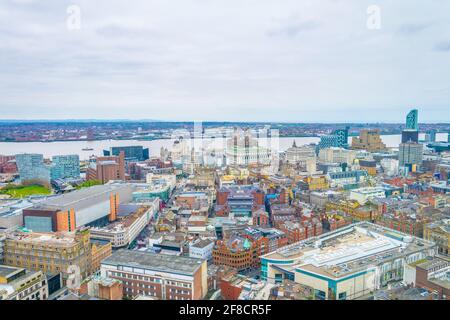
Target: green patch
[(413, 264), (24, 191), (89, 183)]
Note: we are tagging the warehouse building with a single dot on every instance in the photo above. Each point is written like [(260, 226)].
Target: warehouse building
[(94, 206)]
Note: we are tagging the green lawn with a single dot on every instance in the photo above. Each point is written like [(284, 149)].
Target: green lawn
[(89, 183), (24, 191)]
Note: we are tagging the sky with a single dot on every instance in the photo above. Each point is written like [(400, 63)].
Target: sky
[(225, 60)]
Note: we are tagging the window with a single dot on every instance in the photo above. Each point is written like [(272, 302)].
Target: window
[(320, 295), (343, 296), (278, 278)]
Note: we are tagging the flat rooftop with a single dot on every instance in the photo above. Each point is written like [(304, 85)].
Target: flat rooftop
[(192, 194), (154, 261), (9, 213), (60, 238), (368, 190), (436, 263), (202, 243), (349, 249), (85, 197), (11, 208), (6, 271)]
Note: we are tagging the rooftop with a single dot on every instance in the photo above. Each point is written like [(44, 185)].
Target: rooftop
[(59, 238), (153, 261), (125, 220), (368, 190), (349, 249), (6, 271), (85, 197), (202, 243)]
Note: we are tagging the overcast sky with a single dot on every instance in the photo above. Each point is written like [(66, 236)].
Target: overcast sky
[(225, 60)]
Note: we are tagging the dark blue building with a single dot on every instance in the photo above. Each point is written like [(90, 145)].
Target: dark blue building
[(132, 153)]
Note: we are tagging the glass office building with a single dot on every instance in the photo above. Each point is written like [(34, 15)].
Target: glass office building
[(412, 120), (65, 167), (31, 167), (132, 153), (328, 142), (342, 135), (410, 154)]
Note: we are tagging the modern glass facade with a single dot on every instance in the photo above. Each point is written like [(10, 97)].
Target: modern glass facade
[(328, 142), (65, 167), (412, 120), (31, 167), (38, 224), (265, 268), (342, 135), (144, 195), (132, 153)]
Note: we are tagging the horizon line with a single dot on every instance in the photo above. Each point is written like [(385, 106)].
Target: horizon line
[(203, 121)]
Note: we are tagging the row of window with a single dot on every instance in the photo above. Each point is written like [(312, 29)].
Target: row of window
[(129, 292), (149, 279), (135, 277), (35, 295), (139, 285), (172, 290)]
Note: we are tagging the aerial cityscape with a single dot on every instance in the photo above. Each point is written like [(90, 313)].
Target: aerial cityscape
[(148, 155), (223, 212)]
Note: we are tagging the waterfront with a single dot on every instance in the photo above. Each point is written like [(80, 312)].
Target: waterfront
[(49, 149)]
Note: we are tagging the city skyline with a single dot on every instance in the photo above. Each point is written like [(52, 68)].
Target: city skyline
[(314, 61), (112, 120), (224, 158)]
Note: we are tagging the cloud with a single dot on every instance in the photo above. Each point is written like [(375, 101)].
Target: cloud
[(292, 27), (443, 46), (413, 28), (261, 60)]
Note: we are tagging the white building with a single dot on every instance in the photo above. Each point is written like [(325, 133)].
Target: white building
[(201, 249), (390, 166), (349, 263), (305, 156), (243, 148), (337, 155), (169, 179), (125, 230), (362, 195), (21, 284)]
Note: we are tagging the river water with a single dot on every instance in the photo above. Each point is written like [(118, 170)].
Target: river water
[(49, 149)]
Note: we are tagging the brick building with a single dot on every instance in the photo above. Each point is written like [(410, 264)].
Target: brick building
[(242, 250), (102, 288), (301, 230), (431, 274), (8, 164), (280, 213), (166, 277), (107, 168), (261, 218), (238, 201)]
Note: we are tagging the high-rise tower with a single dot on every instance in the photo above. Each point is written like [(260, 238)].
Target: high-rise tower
[(411, 133), (410, 150), (412, 120)]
